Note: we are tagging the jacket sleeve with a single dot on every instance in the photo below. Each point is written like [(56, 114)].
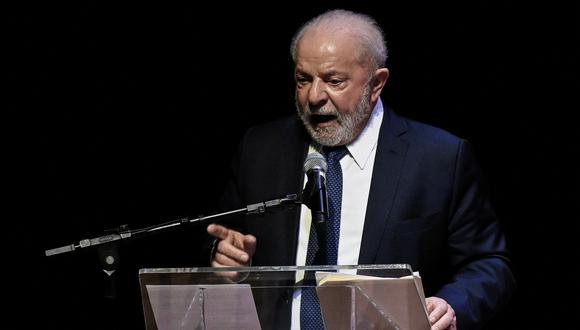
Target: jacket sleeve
[(482, 282), (230, 199)]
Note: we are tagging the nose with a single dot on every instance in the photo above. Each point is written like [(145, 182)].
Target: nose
[(317, 96)]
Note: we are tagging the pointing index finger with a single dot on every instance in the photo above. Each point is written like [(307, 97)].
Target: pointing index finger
[(218, 231)]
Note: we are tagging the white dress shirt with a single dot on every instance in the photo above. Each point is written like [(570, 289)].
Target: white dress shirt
[(357, 172)]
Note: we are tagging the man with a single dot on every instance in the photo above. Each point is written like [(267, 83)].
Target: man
[(411, 193)]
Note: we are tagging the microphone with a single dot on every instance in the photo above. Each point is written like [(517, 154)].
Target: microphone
[(314, 195)]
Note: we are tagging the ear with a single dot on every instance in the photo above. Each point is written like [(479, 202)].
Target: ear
[(379, 80)]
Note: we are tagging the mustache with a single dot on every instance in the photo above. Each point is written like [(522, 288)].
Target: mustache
[(326, 110)]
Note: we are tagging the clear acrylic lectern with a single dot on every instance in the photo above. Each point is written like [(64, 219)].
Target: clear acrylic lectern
[(378, 297)]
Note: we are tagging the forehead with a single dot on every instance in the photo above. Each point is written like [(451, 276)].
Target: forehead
[(324, 50)]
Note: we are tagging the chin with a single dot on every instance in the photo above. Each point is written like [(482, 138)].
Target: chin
[(329, 136)]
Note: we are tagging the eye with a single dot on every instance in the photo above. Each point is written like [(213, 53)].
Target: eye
[(301, 80), (334, 82)]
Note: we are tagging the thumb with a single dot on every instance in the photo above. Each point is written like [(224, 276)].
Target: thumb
[(250, 243)]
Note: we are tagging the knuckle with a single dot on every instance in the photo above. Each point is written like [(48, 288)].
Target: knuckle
[(222, 259), (218, 258), (223, 246)]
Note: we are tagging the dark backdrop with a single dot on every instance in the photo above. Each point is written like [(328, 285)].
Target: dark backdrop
[(129, 113)]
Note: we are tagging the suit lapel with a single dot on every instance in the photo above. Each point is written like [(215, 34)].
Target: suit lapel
[(389, 160), (295, 154)]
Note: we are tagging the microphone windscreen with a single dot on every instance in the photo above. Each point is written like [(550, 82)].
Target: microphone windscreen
[(315, 160)]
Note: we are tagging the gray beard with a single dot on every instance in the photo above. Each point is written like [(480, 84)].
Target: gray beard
[(349, 125)]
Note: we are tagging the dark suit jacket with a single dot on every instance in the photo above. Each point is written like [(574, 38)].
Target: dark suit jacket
[(427, 208)]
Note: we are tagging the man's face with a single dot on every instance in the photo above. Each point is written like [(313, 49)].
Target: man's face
[(333, 90)]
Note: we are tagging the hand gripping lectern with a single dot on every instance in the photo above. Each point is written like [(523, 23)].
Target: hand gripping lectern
[(351, 297)]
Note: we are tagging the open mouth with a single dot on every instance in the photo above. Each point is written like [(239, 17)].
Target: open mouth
[(321, 119)]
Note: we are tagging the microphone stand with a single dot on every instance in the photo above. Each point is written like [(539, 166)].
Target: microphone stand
[(107, 245)]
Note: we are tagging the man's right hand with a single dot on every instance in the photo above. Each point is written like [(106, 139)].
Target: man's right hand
[(233, 249)]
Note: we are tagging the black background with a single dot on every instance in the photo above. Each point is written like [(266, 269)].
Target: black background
[(129, 113)]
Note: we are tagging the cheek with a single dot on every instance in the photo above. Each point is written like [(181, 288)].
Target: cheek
[(301, 96), (344, 104)]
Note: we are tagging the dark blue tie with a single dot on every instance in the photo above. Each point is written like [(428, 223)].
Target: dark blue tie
[(324, 250)]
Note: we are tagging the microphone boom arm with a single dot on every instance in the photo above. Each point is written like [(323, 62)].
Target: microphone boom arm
[(123, 231)]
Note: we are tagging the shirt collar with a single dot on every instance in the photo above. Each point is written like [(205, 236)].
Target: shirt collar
[(361, 148)]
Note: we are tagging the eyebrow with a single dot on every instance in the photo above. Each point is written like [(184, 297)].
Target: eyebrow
[(326, 74)]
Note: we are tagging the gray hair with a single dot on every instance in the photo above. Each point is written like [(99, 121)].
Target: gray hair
[(366, 30)]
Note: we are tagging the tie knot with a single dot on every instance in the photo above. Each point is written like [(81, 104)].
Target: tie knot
[(336, 153)]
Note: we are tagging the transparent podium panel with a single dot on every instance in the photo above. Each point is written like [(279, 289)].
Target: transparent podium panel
[(348, 307), (350, 297)]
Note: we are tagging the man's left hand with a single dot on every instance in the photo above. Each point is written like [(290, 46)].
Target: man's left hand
[(441, 315)]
